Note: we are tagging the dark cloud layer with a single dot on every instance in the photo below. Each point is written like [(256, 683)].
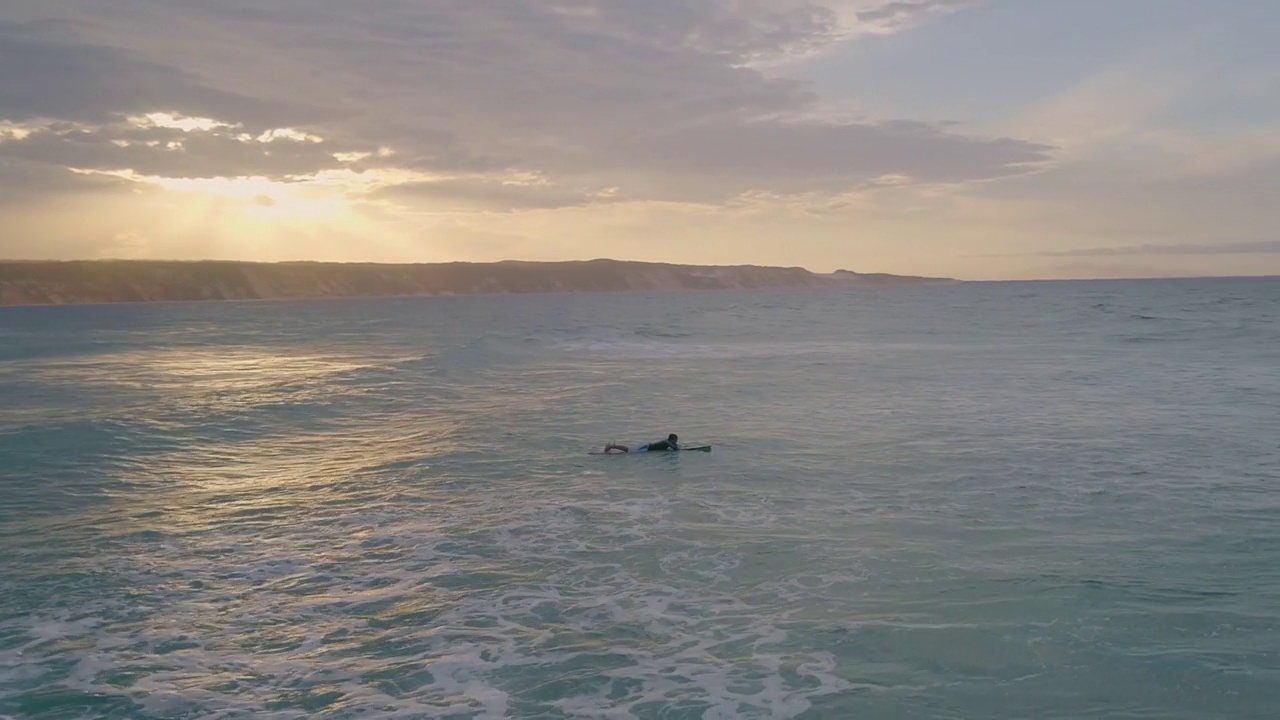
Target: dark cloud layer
[(25, 182), (653, 100), (47, 77)]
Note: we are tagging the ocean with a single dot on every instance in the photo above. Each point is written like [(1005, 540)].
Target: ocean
[(979, 500)]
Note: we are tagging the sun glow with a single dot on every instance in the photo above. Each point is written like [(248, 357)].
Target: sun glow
[(258, 199), (253, 211)]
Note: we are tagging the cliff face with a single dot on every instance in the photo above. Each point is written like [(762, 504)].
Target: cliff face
[(33, 283)]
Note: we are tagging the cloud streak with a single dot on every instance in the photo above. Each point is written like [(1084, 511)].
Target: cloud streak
[(1262, 247), (894, 16)]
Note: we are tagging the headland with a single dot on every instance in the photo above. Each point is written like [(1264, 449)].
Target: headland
[(115, 281)]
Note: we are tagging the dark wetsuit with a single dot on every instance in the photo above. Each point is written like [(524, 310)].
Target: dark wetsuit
[(659, 446)]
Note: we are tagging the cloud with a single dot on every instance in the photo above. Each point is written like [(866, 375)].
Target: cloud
[(895, 16), (25, 182), (1262, 247), (655, 99), (831, 157), (1166, 112), (208, 149), (47, 76)]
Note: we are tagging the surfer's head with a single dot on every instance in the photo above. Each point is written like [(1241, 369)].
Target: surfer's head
[(672, 437)]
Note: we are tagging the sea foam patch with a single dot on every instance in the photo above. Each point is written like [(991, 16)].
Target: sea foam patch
[(590, 607)]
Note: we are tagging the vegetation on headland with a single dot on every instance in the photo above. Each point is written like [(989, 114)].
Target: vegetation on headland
[(109, 281)]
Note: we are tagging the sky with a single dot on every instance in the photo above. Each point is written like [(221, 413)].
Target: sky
[(975, 139)]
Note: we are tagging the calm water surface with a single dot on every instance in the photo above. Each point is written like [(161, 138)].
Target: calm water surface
[(1047, 500)]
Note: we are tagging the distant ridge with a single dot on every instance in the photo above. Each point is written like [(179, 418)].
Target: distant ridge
[(884, 278), (114, 281)]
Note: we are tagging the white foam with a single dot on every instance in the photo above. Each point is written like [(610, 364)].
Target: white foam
[(605, 588)]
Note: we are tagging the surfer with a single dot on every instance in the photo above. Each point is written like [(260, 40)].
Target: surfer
[(671, 443)]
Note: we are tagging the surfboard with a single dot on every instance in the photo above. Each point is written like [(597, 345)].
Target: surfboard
[(700, 448)]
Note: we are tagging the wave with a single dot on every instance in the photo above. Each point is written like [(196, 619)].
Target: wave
[(642, 349), (469, 609)]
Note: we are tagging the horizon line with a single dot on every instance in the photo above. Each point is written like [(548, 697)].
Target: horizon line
[(636, 262)]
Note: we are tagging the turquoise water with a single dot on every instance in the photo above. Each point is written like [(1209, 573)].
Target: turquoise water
[(1048, 500)]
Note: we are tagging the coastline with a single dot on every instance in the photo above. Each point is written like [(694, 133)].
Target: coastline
[(90, 282)]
